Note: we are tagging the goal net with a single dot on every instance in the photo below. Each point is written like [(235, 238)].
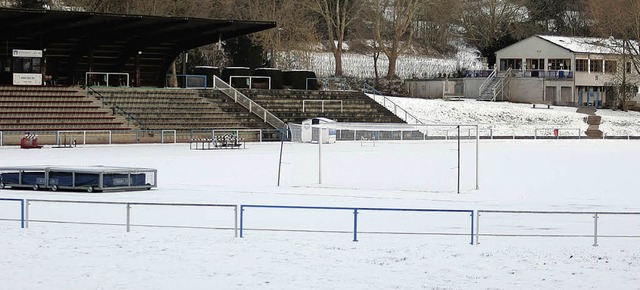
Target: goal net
[(435, 158)]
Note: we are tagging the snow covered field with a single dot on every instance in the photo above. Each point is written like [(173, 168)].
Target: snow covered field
[(508, 119), (536, 175)]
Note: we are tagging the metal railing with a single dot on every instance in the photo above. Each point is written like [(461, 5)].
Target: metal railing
[(355, 211), (22, 209), (106, 78), (322, 103), (128, 205), (243, 100), (326, 82), (595, 215), (390, 105), (114, 106), (488, 80), (250, 78)]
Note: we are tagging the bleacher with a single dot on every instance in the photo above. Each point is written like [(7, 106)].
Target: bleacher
[(294, 106), (181, 109), (35, 108)]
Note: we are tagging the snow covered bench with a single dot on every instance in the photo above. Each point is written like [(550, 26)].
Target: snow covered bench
[(542, 104)]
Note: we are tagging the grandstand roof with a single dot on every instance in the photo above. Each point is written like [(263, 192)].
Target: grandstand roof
[(76, 42)]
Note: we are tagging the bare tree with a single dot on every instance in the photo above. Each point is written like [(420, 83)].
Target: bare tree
[(295, 29), (619, 22), (394, 27), (491, 24), (338, 16)]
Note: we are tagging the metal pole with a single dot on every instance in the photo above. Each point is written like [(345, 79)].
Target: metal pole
[(128, 217), (595, 229), (235, 221), (458, 158), (26, 214), (22, 209), (477, 158), (280, 159), (319, 155), (355, 224), (241, 221), (471, 228), (477, 228)]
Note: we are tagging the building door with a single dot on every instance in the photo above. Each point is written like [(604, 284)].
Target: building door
[(550, 94), (565, 95)]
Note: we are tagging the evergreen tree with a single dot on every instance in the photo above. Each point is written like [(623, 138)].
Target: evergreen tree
[(31, 4)]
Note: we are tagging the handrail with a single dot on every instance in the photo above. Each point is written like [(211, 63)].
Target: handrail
[(249, 104), (368, 88), (115, 107), (487, 80), (499, 86)]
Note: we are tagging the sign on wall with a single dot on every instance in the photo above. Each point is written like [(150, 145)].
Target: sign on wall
[(27, 79), (27, 53)]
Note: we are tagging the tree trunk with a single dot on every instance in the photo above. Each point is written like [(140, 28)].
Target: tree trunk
[(173, 80), (393, 60), (337, 53)]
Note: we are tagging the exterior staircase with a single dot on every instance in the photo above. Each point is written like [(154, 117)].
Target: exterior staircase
[(494, 86)]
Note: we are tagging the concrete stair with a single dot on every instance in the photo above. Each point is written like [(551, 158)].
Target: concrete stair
[(593, 131)]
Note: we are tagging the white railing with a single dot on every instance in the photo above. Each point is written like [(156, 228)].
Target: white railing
[(128, 206), (498, 88), (243, 100), (84, 135), (322, 104), (171, 132), (556, 229), (106, 78), (391, 106), (488, 80), (556, 132), (250, 78)]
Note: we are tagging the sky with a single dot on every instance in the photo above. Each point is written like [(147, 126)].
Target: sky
[(314, 249)]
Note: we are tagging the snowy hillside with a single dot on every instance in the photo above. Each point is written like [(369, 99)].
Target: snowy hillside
[(506, 118)]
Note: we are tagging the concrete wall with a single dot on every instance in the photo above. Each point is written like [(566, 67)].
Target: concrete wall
[(426, 89), (472, 87)]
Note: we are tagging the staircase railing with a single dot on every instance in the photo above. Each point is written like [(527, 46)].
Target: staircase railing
[(390, 105), (250, 105), (115, 107), (487, 81), (498, 88)]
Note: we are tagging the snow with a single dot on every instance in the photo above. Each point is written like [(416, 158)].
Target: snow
[(558, 175), (585, 44), (509, 119)]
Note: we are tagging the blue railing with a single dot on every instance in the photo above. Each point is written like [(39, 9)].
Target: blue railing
[(21, 208), (355, 211)]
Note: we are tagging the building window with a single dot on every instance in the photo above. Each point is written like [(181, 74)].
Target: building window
[(513, 63), (610, 66), (559, 64), (582, 65), (26, 65), (596, 65), (535, 64)]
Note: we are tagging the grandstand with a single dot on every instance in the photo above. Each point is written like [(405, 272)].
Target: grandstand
[(53, 109)]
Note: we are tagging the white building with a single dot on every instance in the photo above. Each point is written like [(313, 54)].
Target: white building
[(573, 71)]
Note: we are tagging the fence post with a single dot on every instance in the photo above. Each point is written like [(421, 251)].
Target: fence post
[(477, 228), (22, 209), (26, 214), (241, 220), (355, 224), (471, 227), (595, 229), (128, 217), (235, 221)]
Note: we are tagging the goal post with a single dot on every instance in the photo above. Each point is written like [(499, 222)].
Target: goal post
[(383, 132)]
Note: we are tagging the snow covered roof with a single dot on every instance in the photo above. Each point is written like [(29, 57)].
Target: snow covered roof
[(586, 44)]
